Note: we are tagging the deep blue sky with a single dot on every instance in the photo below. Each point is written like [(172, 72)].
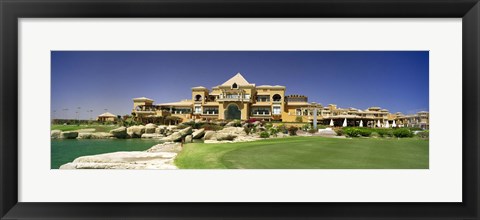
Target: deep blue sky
[(98, 80)]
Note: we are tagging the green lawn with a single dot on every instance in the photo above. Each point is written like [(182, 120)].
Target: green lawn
[(98, 128), (308, 153)]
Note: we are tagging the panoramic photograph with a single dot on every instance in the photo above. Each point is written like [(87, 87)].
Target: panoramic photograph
[(239, 110)]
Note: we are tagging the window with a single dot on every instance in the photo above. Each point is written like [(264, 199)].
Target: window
[(234, 86), (276, 110), (263, 98), (198, 109), (261, 111), (210, 111), (299, 111), (198, 98), (277, 98)]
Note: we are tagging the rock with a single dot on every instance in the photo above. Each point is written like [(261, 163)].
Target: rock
[(150, 128), (86, 130), (233, 130), (209, 135), (84, 135), (136, 131), (124, 160), (230, 124), (225, 137), (97, 135), (326, 132), (120, 132), (198, 133), (69, 134), (155, 135), (177, 136), (166, 147), (256, 123), (188, 139), (161, 129), (55, 134)]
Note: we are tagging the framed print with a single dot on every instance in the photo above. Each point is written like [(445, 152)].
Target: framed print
[(124, 109)]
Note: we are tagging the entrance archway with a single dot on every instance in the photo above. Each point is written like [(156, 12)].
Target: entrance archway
[(232, 112)]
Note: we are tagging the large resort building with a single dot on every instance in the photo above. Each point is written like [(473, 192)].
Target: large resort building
[(238, 99)]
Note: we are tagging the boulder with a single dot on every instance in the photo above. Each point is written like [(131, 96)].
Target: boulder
[(124, 160), (84, 135), (161, 129), (225, 137), (55, 134), (209, 135), (69, 134), (86, 130), (326, 132), (120, 132), (150, 128), (166, 147), (154, 135), (230, 124), (101, 135), (188, 139), (233, 130), (177, 136), (198, 133), (136, 131)]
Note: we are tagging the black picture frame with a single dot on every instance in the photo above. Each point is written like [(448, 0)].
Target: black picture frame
[(12, 10)]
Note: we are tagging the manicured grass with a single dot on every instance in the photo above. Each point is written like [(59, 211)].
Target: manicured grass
[(98, 128), (308, 153)]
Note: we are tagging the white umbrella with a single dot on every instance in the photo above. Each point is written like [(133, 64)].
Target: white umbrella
[(378, 124), (345, 123), (387, 125), (393, 124), (361, 123), (331, 122)]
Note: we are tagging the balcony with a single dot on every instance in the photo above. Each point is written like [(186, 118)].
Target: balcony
[(210, 113), (234, 98), (261, 114)]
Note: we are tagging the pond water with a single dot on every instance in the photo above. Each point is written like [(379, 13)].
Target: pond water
[(64, 151)]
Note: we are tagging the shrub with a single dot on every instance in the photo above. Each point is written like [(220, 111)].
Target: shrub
[(237, 123), (414, 129), (247, 130), (282, 128), (306, 127), (384, 132), (352, 132), (268, 125), (299, 119), (312, 130), (251, 120), (365, 132), (273, 131), (264, 134), (211, 127), (339, 131), (292, 130), (402, 133), (423, 134)]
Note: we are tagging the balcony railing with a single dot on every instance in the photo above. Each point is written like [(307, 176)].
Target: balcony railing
[(210, 113), (244, 98), (261, 113)]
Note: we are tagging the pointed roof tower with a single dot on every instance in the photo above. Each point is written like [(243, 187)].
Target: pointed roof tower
[(238, 79)]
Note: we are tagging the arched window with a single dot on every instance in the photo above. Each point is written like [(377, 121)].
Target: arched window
[(198, 98), (234, 86), (277, 98)]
